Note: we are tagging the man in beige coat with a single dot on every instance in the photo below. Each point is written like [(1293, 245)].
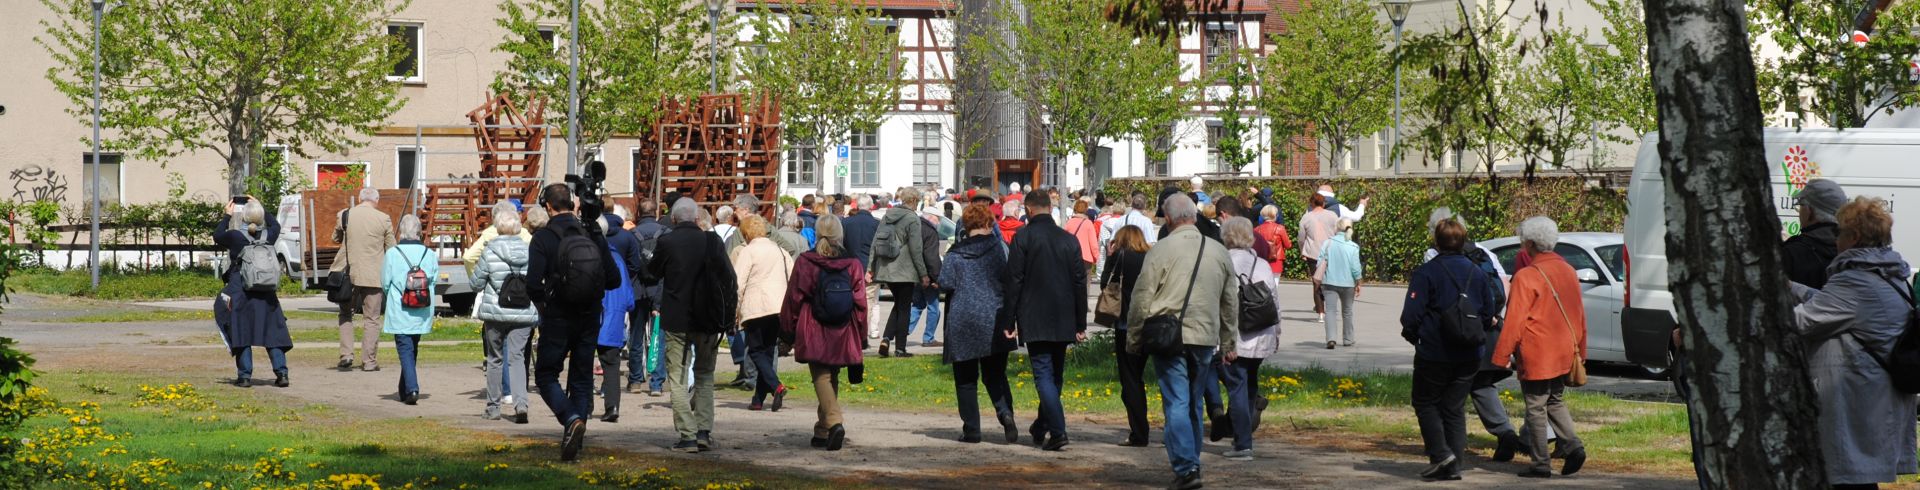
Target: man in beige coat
[(1190, 276), (364, 234)]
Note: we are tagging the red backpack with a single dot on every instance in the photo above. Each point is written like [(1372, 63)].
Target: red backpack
[(418, 290)]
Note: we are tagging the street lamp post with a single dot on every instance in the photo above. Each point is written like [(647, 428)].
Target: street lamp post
[(1593, 127), (573, 89), (100, 9), (713, 45), (1397, 12)]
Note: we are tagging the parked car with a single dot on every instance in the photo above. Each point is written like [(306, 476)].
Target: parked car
[(287, 246), (1599, 260)]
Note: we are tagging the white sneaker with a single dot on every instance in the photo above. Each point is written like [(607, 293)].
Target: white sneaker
[(1323, 318), (506, 401), (1239, 455)]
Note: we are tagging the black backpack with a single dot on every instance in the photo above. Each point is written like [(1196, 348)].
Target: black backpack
[(1460, 326), (579, 277), (513, 292), (1902, 361), (833, 298), (1256, 304), (717, 301)]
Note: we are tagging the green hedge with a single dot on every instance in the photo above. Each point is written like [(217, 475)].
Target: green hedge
[(1393, 235)]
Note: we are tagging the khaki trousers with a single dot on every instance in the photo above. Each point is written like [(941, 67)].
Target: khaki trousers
[(826, 387), (876, 323), (368, 302), (692, 406)]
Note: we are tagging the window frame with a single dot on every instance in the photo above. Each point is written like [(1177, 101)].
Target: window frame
[(419, 47), (419, 166), (119, 171), (1217, 162), (1229, 30), (802, 161), (863, 157), (927, 156)]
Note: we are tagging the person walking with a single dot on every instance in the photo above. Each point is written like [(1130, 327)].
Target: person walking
[(569, 269), (1806, 255), (1135, 216), (822, 314), (1189, 277), (1011, 220), (1241, 374), (1046, 297), (615, 307), (1316, 227), (927, 299), (1338, 273), (1086, 232), (1546, 328), (1275, 234), (1443, 366), (1485, 395), (472, 256), (762, 268), (505, 328), (859, 227), (643, 337), (787, 235), (407, 283), (365, 233), (1849, 327), (699, 300), (250, 317), (898, 262), (1129, 253), (977, 341)]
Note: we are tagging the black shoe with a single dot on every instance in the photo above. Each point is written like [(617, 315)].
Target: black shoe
[(970, 437), (1508, 445), (687, 446), (242, 382), (902, 353), (1055, 443), (520, 418), (703, 440), (410, 398), (1536, 473), (1221, 427), (345, 364), (1134, 442), (836, 437), (1437, 470), (818, 442), (1329, 345), (281, 381), (1013, 429), (1039, 435), (779, 397), (883, 350), (611, 417), (1575, 460), (571, 441), (1189, 481)]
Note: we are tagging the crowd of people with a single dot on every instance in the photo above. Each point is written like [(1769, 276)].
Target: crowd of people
[(1190, 290)]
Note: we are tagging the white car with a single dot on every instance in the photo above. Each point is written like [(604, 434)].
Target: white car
[(1598, 259)]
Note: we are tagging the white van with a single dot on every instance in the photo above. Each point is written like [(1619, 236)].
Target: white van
[(1883, 163)]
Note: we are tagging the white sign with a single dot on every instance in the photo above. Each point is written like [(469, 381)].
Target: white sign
[(840, 170)]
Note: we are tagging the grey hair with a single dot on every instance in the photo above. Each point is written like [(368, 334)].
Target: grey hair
[(369, 194), (537, 217), (410, 227), (506, 219), (1345, 226), (746, 204), (1237, 233), (1444, 213), (254, 215), (621, 211), (723, 215), (685, 211), (864, 203), (909, 197), (829, 235), (1138, 201), (1012, 209), (1180, 209), (705, 221), (1541, 231), (790, 220)]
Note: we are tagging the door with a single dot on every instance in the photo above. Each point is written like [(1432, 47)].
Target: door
[(1600, 297)]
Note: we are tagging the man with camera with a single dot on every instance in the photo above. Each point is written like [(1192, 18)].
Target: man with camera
[(569, 269)]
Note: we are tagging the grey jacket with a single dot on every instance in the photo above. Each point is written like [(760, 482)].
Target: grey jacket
[(1867, 427), (909, 265), (790, 241), (504, 256)]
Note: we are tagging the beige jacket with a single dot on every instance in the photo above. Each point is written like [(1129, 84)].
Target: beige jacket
[(1212, 317), (472, 256), (761, 269), (366, 235)]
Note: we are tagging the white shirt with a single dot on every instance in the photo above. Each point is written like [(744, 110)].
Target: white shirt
[(1135, 218)]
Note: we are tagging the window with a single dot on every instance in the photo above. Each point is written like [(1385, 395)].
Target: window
[(109, 179), (406, 162), (1615, 258), (551, 37), (926, 154), (1219, 39), (338, 175), (1159, 165), (1576, 257), (803, 163), (407, 68), (863, 155), (1215, 133)]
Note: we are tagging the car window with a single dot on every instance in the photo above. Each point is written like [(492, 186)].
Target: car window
[(1576, 257), (1614, 257), (1507, 256)]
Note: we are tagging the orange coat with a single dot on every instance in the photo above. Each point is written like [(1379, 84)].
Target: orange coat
[(1536, 332)]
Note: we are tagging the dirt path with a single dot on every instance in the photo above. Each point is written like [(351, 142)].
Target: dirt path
[(887, 448)]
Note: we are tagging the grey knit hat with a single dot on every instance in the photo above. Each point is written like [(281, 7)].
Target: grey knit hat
[(1824, 198)]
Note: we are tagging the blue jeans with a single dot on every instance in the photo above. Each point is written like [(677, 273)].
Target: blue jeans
[(1183, 380), (1242, 377), (243, 359), (657, 378), (1048, 360), (638, 323), (927, 299), (567, 341), (407, 347)]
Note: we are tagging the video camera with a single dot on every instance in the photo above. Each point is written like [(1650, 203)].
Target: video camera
[(586, 193)]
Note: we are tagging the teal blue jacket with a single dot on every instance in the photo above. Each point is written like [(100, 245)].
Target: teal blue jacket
[(1342, 260), (393, 280)]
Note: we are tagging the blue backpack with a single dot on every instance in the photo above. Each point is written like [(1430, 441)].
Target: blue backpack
[(833, 298)]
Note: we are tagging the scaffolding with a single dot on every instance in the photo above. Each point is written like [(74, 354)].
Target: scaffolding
[(711, 148), (510, 143)]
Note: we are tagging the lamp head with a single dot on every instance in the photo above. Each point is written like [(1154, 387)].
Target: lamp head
[(1397, 10)]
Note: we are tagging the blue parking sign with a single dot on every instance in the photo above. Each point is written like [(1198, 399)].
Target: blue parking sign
[(841, 152)]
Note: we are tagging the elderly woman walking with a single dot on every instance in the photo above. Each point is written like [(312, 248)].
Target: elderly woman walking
[(506, 313), (1128, 253), (1338, 272), (762, 268), (1444, 365), (977, 344), (250, 317), (824, 308), (1257, 342), (1866, 426), (1546, 328), (409, 308)]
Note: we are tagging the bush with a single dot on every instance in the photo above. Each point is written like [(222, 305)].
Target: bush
[(1393, 236)]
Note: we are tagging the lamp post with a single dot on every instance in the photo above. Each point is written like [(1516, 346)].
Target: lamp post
[(100, 9), (713, 45), (1593, 127), (573, 88), (1397, 12)]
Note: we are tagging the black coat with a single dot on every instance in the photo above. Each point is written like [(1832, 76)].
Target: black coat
[(543, 257), (859, 230), (623, 243), (1046, 291), (649, 286), (1807, 254), (686, 259), (247, 319), (930, 248), (1127, 265)]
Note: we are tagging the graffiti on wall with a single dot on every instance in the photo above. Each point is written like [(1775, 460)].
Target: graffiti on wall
[(37, 183)]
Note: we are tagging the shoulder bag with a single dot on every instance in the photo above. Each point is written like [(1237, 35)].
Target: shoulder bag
[(1576, 377), (1106, 312), (1160, 334), (339, 283)]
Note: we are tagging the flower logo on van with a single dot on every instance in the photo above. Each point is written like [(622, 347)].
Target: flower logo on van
[(1799, 169)]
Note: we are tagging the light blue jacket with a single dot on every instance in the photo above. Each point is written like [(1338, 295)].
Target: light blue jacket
[(393, 280), (1341, 257), (504, 256)]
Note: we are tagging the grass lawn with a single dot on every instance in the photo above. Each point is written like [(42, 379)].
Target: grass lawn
[(112, 431), (177, 316), (136, 286), (443, 329), (1356, 411)]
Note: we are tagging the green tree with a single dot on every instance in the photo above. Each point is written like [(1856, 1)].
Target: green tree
[(633, 54), (272, 179), (1840, 83), (829, 66), (1457, 81), (1625, 98), (1239, 144), (1334, 91), (1088, 78), (229, 77)]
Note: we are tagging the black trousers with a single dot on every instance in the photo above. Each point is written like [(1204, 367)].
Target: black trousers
[(967, 376), (896, 333), (567, 340), (1440, 402), (1133, 387), (763, 339)]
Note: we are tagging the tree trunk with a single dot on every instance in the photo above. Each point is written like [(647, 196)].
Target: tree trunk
[(1753, 402), (237, 170)]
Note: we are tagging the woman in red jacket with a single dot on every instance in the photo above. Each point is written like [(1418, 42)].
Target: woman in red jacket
[(821, 306), (1276, 235)]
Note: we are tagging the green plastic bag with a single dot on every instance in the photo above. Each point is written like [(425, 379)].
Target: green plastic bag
[(654, 344)]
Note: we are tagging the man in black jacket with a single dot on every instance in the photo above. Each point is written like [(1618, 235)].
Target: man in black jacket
[(1807, 254), (697, 299), (860, 227), (640, 323), (569, 325), (1046, 295)]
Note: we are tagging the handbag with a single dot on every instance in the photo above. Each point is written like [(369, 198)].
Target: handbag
[(1577, 377), (1106, 312), (339, 284), (1160, 334)]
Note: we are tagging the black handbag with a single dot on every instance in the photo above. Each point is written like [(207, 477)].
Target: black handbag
[(339, 287), (1160, 334)]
